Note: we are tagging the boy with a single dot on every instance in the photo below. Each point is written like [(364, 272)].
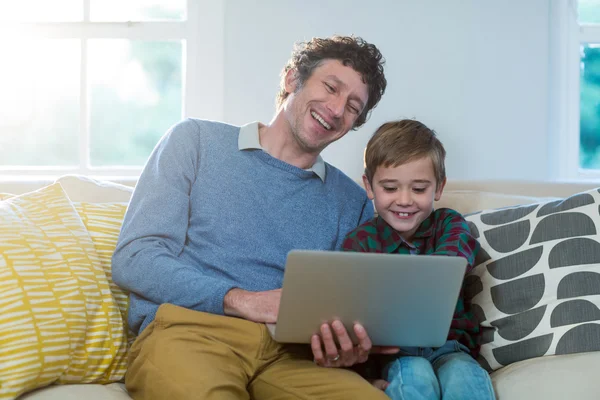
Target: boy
[(404, 174)]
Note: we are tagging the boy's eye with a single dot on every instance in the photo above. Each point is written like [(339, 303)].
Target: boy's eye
[(419, 190), (389, 189)]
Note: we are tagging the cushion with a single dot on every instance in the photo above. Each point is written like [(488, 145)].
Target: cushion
[(58, 320), (570, 376), (81, 188), (536, 284), (103, 222)]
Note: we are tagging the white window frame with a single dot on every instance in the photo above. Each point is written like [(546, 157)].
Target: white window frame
[(201, 83)]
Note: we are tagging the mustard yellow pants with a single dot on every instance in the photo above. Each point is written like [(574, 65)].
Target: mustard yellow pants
[(185, 354)]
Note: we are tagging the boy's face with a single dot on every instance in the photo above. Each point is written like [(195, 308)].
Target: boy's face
[(404, 195)]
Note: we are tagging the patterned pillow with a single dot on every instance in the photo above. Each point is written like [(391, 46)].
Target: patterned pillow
[(103, 222), (536, 286), (58, 320)]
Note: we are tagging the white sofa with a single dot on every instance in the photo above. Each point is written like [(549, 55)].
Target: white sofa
[(549, 377)]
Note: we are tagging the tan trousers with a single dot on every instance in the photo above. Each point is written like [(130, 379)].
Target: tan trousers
[(185, 354)]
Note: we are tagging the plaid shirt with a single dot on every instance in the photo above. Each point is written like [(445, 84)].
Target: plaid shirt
[(444, 232)]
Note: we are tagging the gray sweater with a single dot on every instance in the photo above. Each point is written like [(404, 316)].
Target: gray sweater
[(206, 217)]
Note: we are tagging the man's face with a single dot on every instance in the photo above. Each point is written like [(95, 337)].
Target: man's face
[(326, 107)]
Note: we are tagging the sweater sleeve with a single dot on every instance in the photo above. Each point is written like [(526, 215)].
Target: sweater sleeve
[(146, 260), (455, 238)]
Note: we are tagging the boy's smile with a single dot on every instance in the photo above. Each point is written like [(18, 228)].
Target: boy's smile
[(404, 195)]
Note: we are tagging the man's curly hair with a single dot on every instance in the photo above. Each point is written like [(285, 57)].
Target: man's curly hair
[(352, 51)]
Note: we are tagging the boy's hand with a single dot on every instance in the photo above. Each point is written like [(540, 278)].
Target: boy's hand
[(347, 355)]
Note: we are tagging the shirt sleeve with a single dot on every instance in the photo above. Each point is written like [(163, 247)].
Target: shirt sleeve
[(146, 261), (455, 238), (352, 242)]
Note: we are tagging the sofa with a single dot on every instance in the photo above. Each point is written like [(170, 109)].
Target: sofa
[(534, 345)]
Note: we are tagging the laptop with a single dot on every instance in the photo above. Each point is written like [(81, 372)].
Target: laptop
[(401, 300)]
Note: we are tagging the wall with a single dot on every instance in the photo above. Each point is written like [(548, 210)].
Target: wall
[(475, 71)]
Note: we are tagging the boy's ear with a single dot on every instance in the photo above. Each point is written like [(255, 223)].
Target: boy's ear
[(440, 189), (291, 81), (368, 187)]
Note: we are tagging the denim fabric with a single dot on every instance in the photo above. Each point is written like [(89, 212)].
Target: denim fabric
[(448, 372)]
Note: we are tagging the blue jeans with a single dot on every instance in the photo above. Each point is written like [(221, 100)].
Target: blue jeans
[(448, 372)]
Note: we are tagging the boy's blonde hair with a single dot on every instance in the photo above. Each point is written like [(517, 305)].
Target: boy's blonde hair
[(399, 142)]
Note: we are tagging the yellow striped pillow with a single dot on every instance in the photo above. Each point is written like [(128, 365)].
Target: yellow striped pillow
[(59, 322), (103, 222)]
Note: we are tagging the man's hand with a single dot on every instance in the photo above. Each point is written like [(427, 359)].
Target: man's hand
[(253, 306), (347, 354)]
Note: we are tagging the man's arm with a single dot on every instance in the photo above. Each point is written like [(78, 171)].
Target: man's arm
[(455, 238), (253, 306), (154, 230)]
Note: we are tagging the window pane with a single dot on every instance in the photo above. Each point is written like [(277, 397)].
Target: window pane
[(589, 11), (590, 107), (39, 103), (137, 10), (135, 89), (41, 10)]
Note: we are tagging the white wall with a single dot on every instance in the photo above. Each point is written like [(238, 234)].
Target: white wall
[(476, 71)]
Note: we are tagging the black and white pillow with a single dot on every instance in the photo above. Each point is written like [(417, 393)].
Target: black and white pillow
[(536, 286)]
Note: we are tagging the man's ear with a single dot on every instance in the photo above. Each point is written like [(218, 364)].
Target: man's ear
[(440, 189), (291, 81), (368, 187)]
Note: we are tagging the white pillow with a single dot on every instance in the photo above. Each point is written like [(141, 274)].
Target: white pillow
[(81, 188)]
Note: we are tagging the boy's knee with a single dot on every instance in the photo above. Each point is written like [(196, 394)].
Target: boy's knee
[(412, 369), (412, 378)]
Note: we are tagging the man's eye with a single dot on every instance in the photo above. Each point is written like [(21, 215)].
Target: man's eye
[(353, 109), (330, 88)]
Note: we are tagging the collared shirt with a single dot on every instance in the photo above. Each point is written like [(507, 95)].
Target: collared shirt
[(249, 139), (444, 232)]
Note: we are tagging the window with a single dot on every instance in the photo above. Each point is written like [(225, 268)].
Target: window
[(589, 105), (89, 86)]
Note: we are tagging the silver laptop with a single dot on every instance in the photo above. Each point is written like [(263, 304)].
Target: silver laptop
[(401, 300)]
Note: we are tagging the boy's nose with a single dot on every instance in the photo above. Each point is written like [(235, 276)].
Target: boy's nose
[(404, 198)]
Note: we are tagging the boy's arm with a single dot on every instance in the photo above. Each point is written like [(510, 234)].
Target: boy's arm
[(455, 238)]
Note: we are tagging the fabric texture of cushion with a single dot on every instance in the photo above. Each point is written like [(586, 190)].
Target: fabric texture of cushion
[(59, 322), (103, 222), (81, 188), (536, 285)]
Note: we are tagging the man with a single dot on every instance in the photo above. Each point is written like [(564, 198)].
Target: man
[(213, 216)]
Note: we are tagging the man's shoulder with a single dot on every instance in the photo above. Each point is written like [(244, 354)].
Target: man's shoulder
[(206, 126), (194, 133)]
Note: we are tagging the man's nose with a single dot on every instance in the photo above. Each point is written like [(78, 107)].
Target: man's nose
[(336, 106)]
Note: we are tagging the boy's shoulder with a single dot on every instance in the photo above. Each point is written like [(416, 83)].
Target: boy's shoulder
[(367, 229), (446, 212), (441, 218)]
